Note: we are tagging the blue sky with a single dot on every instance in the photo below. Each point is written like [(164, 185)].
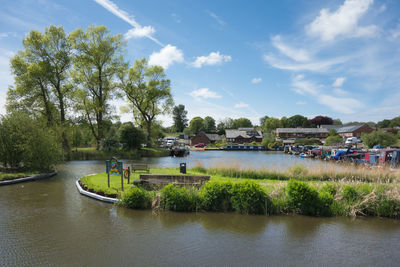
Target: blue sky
[(243, 59)]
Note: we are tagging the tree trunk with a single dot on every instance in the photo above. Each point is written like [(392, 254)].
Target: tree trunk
[(99, 129), (64, 136), (148, 134)]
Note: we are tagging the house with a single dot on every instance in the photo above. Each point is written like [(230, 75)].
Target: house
[(243, 135), (302, 132), (349, 131), (205, 138)]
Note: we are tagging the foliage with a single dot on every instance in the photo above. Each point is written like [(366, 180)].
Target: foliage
[(321, 120), (209, 124), (298, 170), (242, 123), (378, 138), (333, 140), (24, 140), (215, 196), (296, 121), (179, 115), (178, 198), (268, 139), (196, 125), (149, 92), (131, 137), (249, 197), (263, 120), (136, 198), (349, 193), (271, 124), (97, 63)]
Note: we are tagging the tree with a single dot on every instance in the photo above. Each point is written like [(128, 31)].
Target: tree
[(42, 70), (242, 123), (209, 124), (221, 128), (180, 118), (196, 125), (321, 120), (148, 91), (131, 137), (271, 124), (337, 122), (268, 139), (97, 62), (297, 121), (378, 138), (333, 140), (384, 124), (262, 120)]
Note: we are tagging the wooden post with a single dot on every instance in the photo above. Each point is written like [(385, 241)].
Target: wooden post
[(129, 174), (122, 181), (108, 179)]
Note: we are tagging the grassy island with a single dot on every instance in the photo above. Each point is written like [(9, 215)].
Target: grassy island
[(12, 176), (298, 190)]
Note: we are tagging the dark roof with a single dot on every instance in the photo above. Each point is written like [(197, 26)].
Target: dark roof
[(302, 130), (349, 129), (248, 133), (214, 137)]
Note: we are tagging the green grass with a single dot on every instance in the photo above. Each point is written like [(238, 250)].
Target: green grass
[(90, 153), (12, 176)]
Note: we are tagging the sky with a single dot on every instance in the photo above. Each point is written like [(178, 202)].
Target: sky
[(242, 59)]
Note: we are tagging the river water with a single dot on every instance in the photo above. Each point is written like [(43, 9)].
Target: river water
[(48, 223)]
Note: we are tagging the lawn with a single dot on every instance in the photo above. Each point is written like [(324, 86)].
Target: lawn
[(12, 176)]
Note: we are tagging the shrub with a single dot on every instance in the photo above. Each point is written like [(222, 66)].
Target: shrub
[(331, 189), (178, 199), (249, 197), (137, 198), (386, 207), (298, 170), (349, 193), (215, 196), (131, 137), (302, 198), (325, 202)]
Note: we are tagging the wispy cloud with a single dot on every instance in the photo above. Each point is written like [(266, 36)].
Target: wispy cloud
[(218, 19), (300, 55), (204, 93), (256, 80), (167, 56), (241, 105), (342, 22), (339, 82), (138, 30), (214, 58), (301, 103)]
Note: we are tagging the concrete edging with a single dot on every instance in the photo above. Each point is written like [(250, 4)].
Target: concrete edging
[(93, 195), (27, 179)]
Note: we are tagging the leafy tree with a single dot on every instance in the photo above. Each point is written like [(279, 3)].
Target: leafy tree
[(384, 124), (148, 91), (378, 138), (221, 128), (297, 121), (395, 122), (180, 118), (332, 132), (284, 122), (321, 120), (262, 120), (97, 62), (268, 139), (131, 137), (196, 125), (209, 124), (271, 124), (337, 122), (242, 123), (333, 140), (42, 73)]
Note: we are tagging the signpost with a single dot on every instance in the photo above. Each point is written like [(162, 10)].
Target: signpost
[(114, 167)]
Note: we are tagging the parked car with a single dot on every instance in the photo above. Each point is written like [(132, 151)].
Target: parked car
[(200, 145)]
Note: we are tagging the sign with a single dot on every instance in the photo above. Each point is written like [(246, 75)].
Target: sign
[(114, 167)]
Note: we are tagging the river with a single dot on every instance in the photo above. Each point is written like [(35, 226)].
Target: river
[(48, 223)]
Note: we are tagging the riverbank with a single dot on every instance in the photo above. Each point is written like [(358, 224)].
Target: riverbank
[(93, 154), (23, 177), (258, 196)]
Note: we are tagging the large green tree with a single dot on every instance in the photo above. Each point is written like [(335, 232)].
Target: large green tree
[(42, 73), (242, 123), (148, 90), (297, 121), (179, 115), (97, 62), (378, 138), (209, 124), (271, 124), (196, 125)]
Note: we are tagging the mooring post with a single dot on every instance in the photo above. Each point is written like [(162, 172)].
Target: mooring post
[(129, 174), (122, 181), (108, 179)]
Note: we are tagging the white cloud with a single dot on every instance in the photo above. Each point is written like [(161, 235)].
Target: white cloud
[(301, 103), (317, 65), (300, 55), (342, 22), (339, 82), (339, 91), (214, 58), (137, 31), (241, 105), (204, 93), (256, 80), (382, 8), (214, 16), (340, 104), (3, 35), (166, 56)]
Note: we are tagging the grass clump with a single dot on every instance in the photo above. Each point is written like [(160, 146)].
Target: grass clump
[(136, 198), (178, 198)]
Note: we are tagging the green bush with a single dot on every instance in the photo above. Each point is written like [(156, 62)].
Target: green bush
[(385, 207), (325, 201), (215, 196), (137, 198), (331, 189), (249, 197), (302, 198), (178, 199), (298, 170), (349, 193)]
